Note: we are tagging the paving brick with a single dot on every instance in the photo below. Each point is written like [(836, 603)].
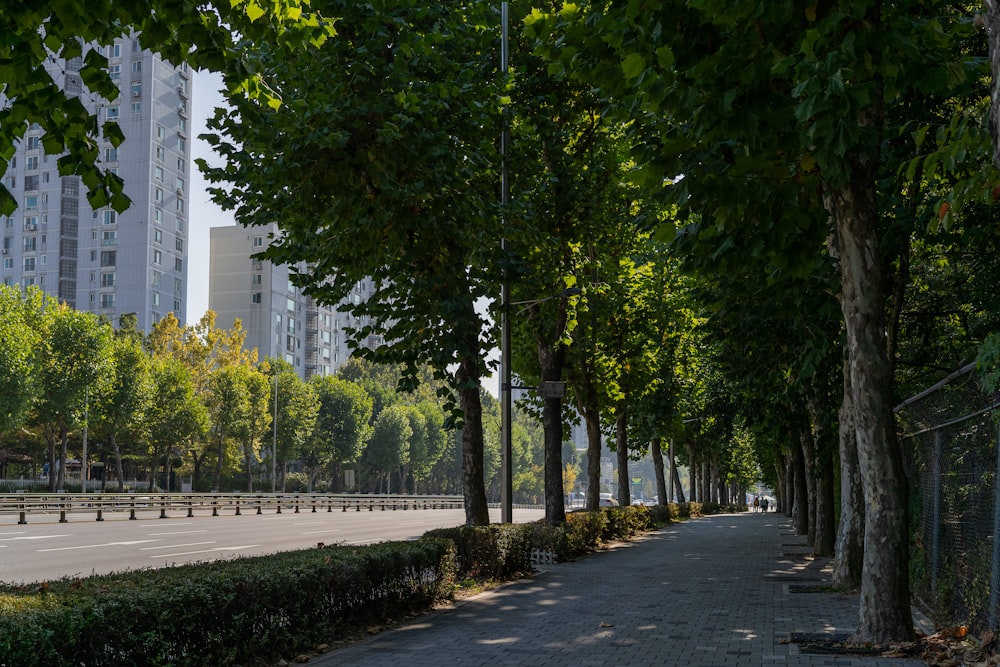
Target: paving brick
[(718, 591)]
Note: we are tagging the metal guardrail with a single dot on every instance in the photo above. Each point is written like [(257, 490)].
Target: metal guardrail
[(168, 504)]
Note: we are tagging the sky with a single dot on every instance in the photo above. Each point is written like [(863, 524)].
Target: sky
[(203, 214)]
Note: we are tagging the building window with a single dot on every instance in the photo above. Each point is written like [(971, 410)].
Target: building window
[(115, 51), (157, 257), (115, 71), (30, 244), (108, 300), (110, 217), (136, 66), (179, 244), (29, 263), (111, 154), (136, 88), (31, 202), (177, 305), (30, 223), (158, 195), (109, 237), (180, 186), (108, 257), (158, 216), (32, 142), (31, 163), (107, 280), (160, 153), (156, 277), (157, 236), (136, 107), (8, 262), (178, 264), (258, 242), (158, 174), (156, 298), (180, 205), (256, 279), (255, 297), (160, 132), (180, 165), (112, 112)]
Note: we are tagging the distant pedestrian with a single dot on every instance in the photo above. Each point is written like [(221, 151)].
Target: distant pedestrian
[(756, 504), (763, 505)]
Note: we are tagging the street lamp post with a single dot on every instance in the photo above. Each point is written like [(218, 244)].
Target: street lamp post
[(506, 479)]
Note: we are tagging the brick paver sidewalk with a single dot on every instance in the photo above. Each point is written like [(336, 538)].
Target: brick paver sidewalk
[(720, 591)]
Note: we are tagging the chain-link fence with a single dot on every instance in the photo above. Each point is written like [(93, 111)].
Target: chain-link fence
[(950, 436)]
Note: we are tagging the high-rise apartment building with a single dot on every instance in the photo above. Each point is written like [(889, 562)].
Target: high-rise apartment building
[(96, 259), (281, 322)]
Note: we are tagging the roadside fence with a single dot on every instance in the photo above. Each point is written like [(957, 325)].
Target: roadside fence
[(949, 433)]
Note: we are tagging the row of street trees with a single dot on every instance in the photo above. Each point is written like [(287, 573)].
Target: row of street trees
[(773, 218), (192, 401)]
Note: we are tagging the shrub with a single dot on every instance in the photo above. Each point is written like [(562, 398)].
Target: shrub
[(494, 552)]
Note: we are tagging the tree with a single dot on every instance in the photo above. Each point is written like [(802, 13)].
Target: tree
[(123, 399), (205, 35), (388, 446), (20, 313), (76, 349), (342, 427), (177, 418), (296, 406), (389, 176)]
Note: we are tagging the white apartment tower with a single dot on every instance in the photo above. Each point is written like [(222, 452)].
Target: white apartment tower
[(281, 322), (99, 260)]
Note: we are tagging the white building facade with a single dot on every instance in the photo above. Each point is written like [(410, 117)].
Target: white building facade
[(96, 259)]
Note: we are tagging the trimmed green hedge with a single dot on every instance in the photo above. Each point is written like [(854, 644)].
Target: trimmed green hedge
[(249, 611), (222, 613), (490, 553)]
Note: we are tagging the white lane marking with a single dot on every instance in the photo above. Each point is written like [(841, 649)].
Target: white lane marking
[(320, 532), (161, 524), (205, 551), (97, 546), (310, 523), (31, 537), (17, 533), (176, 546), (180, 532)]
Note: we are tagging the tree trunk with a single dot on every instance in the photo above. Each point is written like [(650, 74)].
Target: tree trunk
[(692, 474), (593, 421), (116, 450), (477, 511), (779, 473), (992, 21), (64, 444), (550, 360), (850, 548), (809, 476), (661, 482), (621, 445), (885, 591), (218, 464), (800, 495), (675, 475)]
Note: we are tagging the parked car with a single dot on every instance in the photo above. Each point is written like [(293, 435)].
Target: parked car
[(607, 500)]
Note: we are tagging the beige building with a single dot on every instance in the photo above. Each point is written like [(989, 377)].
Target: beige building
[(280, 321)]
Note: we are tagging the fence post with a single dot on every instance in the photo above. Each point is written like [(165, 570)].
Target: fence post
[(936, 512), (995, 578)]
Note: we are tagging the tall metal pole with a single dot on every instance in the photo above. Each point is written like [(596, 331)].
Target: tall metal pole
[(274, 442), (506, 403), (86, 422)]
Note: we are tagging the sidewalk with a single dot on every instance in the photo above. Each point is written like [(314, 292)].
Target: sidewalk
[(718, 591)]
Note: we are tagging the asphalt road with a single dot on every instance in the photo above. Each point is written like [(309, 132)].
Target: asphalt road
[(45, 549)]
